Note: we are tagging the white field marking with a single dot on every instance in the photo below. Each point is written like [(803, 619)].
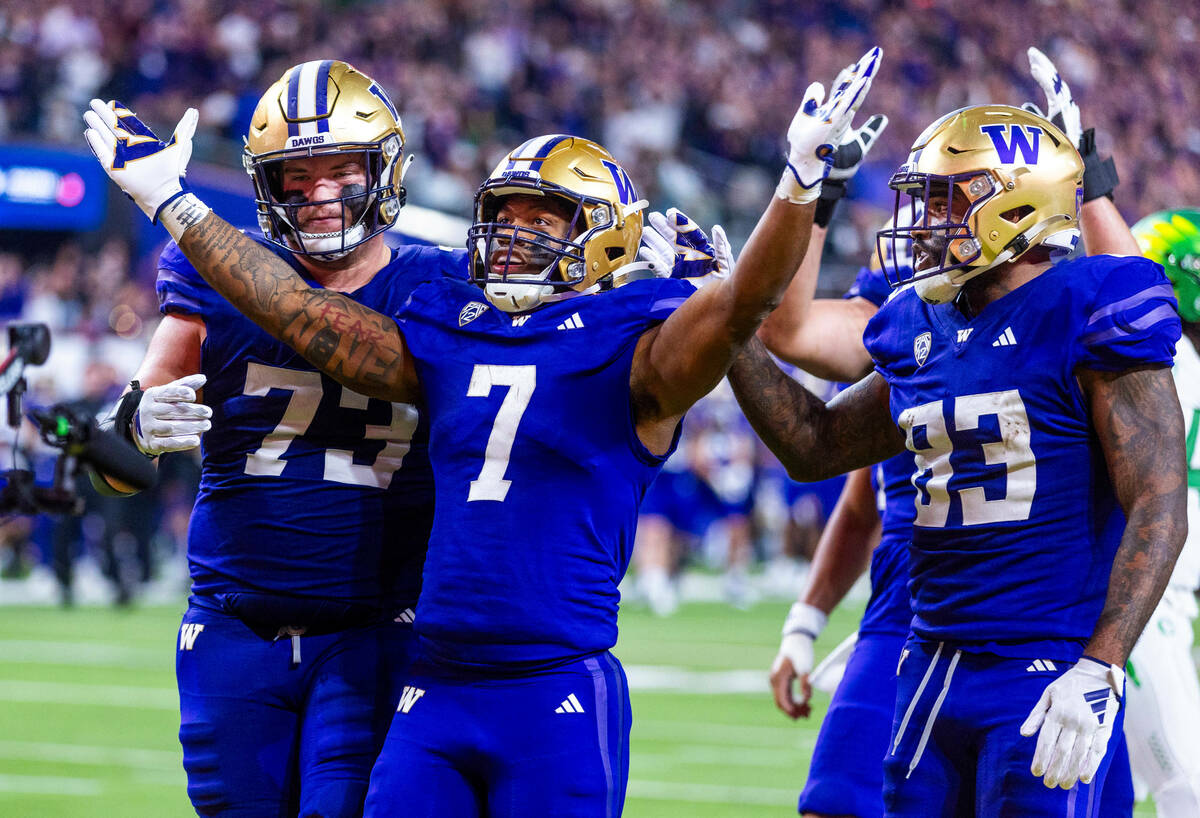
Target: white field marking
[(83, 653), (712, 793), (140, 698), (715, 733), (662, 677), (92, 755), (49, 785)]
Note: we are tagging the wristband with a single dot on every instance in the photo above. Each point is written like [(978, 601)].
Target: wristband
[(180, 212), (806, 619), (1099, 175), (831, 192)]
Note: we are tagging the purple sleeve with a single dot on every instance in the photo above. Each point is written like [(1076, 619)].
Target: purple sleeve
[(1133, 320), (871, 285), (180, 288)]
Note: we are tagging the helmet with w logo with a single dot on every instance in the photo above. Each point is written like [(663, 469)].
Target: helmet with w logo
[(995, 182), (319, 109), (599, 202)]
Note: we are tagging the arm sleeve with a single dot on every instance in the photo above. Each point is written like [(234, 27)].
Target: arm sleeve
[(1133, 320), (180, 288)]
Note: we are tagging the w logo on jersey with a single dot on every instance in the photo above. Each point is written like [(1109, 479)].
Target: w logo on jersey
[(1018, 139), (408, 698), (625, 189), (188, 634), (134, 140)]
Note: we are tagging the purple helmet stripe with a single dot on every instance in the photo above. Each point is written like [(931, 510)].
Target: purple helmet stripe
[(293, 101), (322, 96)]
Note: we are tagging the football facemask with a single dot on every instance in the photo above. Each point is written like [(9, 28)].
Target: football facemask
[(1172, 238), (995, 181), (520, 268), (326, 108)]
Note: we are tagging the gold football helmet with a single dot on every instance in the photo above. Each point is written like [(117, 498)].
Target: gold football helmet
[(1010, 181), (319, 108), (605, 225)]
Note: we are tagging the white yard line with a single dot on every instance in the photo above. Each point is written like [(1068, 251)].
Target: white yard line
[(140, 698), (663, 677), (93, 654), (49, 785), (154, 760)]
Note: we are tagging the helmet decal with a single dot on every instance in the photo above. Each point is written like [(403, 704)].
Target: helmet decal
[(1007, 150)]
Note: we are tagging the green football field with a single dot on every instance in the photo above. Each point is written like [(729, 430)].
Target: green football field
[(88, 714)]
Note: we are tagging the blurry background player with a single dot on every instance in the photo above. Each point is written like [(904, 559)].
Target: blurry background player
[(518, 605), (315, 501), (825, 336), (702, 501), (1163, 691), (1029, 587)]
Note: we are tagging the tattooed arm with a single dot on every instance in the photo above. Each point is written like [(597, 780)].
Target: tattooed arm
[(350, 343), (1139, 424), (812, 439)]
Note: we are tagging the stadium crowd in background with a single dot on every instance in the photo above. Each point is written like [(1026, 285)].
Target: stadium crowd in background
[(676, 89)]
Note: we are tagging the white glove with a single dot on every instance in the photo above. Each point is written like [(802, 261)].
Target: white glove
[(794, 662), (679, 248), (819, 127), (147, 169), (1075, 715), (1060, 105), (168, 418)]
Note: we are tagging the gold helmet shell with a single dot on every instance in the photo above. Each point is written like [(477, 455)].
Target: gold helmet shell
[(1012, 181), (319, 108), (605, 226)]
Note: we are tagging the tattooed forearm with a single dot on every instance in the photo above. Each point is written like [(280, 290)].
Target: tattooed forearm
[(811, 439), (1140, 428), (349, 342)]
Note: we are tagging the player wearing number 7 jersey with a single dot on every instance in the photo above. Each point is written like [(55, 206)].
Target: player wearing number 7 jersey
[(1036, 397), (315, 501), (554, 396)]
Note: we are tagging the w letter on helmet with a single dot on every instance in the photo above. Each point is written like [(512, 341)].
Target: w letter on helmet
[(1020, 141)]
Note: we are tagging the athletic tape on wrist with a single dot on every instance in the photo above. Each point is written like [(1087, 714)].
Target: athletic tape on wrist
[(806, 619), (180, 212)]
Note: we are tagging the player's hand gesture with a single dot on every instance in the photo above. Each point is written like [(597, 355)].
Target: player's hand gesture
[(681, 248), (790, 671), (1061, 109), (169, 418), (1074, 720), (147, 169), (820, 126)]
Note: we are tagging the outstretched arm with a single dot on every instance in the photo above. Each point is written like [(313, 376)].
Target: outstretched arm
[(814, 440), (353, 344), (685, 357)]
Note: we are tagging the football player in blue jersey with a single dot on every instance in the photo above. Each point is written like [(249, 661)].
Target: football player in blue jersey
[(551, 410), (315, 500), (825, 336), (1035, 398)]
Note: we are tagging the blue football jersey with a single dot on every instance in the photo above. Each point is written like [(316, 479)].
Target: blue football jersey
[(1016, 521), (308, 489), (538, 468)]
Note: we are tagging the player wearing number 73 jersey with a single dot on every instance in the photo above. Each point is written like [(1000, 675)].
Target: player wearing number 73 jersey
[(315, 502), (1035, 396)]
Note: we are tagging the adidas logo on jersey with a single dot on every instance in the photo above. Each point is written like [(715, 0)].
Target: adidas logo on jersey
[(408, 697), (570, 705), (407, 616), (1006, 339), (1040, 665), (188, 634), (574, 322)]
